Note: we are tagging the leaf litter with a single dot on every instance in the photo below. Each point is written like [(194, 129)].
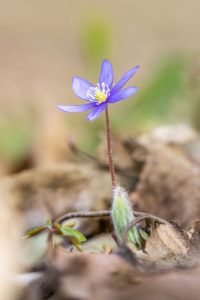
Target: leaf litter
[(163, 180)]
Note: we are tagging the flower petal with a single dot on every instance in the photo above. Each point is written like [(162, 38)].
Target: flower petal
[(96, 112), (106, 75), (76, 108), (123, 80), (80, 87), (123, 94)]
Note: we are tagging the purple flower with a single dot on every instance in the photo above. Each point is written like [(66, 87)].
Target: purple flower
[(102, 94)]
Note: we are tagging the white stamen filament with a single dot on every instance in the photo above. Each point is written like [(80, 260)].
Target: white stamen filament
[(98, 94)]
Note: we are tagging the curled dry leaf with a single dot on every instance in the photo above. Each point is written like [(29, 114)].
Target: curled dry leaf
[(168, 247), (169, 185), (167, 238)]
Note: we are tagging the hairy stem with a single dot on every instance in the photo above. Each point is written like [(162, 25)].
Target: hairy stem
[(141, 217), (83, 214), (112, 169), (106, 213)]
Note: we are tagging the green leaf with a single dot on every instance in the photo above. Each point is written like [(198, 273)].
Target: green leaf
[(79, 247), (73, 233), (49, 223), (75, 236), (75, 242), (71, 224), (122, 215), (143, 234), (34, 232), (58, 226)]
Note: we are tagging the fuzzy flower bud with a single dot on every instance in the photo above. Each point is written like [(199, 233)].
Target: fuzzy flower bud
[(122, 215)]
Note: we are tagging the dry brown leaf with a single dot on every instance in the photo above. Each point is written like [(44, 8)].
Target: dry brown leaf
[(109, 277), (168, 181), (167, 238), (169, 186), (121, 155), (83, 276), (169, 269), (168, 247), (49, 192)]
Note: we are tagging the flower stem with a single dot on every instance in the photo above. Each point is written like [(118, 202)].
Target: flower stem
[(112, 169), (82, 214)]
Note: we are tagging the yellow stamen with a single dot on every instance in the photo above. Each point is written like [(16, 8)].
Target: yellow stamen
[(100, 96)]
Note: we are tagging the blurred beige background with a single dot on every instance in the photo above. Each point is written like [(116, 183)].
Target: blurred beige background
[(41, 42), (44, 43)]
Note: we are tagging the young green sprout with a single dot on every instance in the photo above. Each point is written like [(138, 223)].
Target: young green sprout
[(122, 215), (62, 231)]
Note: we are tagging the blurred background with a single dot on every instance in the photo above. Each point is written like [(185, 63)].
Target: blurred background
[(45, 43)]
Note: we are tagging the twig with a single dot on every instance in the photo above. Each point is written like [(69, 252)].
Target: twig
[(73, 147), (150, 217), (140, 217), (104, 214), (83, 214)]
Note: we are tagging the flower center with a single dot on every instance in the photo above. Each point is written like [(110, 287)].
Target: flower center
[(98, 94)]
